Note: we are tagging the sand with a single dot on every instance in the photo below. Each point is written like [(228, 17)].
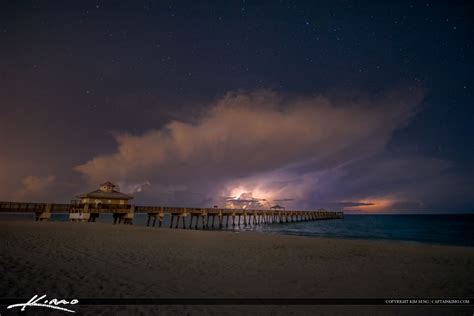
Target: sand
[(68, 260)]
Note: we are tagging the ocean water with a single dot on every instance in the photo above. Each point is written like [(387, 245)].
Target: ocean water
[(433, 229)]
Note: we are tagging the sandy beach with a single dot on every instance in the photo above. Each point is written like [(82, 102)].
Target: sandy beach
[(103, 260)]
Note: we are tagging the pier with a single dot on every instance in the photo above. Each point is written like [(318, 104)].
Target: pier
[(180, 217)]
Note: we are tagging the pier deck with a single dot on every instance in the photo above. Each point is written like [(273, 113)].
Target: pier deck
[(183, 217)]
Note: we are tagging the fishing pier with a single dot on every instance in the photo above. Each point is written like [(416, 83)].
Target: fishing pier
[(108, 200), (179, 217)]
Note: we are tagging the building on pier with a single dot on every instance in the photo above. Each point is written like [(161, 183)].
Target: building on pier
[(107, 198), (106, 194)]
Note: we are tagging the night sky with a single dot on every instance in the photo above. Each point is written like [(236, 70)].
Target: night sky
[(366, 107)]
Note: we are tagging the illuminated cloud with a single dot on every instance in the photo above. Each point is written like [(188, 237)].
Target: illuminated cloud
[(371, 205), (271, 146), (36, 187)]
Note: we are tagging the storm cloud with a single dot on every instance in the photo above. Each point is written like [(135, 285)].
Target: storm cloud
[(272, 146)]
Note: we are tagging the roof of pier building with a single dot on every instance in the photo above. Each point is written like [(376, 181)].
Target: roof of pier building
[(106, 191)]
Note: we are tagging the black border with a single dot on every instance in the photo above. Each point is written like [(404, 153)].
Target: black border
[(258, 301)]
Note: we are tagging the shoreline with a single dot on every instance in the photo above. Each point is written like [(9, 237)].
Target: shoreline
[(285, 229), (341, 238)]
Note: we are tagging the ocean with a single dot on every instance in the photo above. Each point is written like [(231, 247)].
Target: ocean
[(433, 229)]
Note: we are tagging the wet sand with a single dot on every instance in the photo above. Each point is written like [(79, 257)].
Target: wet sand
[(68, 260)]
